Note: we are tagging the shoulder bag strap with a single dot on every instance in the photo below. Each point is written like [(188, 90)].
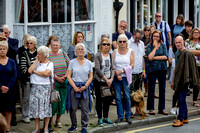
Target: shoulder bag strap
[(50, 79), (29, 61)]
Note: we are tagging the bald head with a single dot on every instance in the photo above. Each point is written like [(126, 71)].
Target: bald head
[(180, 43)]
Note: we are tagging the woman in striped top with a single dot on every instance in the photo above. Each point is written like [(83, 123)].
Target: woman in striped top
[(61, 62)]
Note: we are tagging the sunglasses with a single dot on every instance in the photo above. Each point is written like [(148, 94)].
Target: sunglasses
[(29, 43), (122, 41), (158, 16), (106, 44)]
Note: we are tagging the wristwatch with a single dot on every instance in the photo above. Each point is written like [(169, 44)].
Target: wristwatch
[(122, 71)]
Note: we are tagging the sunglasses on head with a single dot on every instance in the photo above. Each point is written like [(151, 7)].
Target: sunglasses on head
[(122, 41), (106, 44)]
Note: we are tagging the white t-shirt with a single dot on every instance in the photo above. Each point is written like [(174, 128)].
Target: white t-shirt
[(36, 79), (106, 64)]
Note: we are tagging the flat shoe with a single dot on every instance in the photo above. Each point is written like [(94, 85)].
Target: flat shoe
[(196, 105), (151, 112), (58, 125)]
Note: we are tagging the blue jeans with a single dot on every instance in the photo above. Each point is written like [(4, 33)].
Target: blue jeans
[(161, 76), (183, 112), (125, 88)]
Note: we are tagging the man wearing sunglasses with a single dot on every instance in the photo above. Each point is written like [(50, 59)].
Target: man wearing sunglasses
[(121, 30), (164, 28), (139, 68)]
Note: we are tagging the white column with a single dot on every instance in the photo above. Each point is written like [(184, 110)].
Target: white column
[(148, 12), (154, 9), (141, 14), (49, 17), (72, 18), (10, 14), (195, 13), (186, 10), (25, 16), (175, 13)]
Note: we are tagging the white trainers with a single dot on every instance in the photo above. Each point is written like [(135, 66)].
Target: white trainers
[(26, 120), (173, 110)]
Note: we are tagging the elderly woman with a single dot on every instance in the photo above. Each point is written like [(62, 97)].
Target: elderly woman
[(123, 59), (39, 104), (61, 62), (27, 59), (24, 45), (49, 41), (8, 75), (79, 75), (104, 73), (78, 38), (156, 68), (193, 45)]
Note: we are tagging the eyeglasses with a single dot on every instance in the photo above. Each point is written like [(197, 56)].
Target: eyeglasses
[(137, 38), (156, 36), (122, 26), (158, 16), (196, 32), (106, 44), (122, 41), (147, 30)]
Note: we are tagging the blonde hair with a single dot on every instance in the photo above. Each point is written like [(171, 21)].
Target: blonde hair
[(4, 44), (102, 40)]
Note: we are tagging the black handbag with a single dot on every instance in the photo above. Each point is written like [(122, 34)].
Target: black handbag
[(55, 96), (105, 91)]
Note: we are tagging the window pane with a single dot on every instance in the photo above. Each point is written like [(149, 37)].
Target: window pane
[(2, 12), (84, 10), (61, 11), (37, 11), (19, 11)]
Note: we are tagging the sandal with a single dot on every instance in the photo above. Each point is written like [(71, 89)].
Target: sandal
[(196, 105), (151, 112), (163, 112), (36, 131)]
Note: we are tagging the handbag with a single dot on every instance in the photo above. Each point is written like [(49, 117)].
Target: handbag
[(105, 91), (55, 96)]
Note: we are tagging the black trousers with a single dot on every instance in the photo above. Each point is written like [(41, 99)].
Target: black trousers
[(102, 104)]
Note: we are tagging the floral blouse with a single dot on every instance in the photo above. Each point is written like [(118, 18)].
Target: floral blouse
[(193, 46)]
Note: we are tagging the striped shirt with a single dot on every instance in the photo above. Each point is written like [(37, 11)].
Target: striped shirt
[(61, 62)]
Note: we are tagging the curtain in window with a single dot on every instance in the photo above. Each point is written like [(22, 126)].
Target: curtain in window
[(90, 9), (18, 10)]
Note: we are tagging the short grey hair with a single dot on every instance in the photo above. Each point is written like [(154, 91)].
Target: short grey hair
[(4, 44), (44, 50), (105, 35), (6, 27), (80, 44), (122, 36), (123, 21), (55, 40), (33, 39)]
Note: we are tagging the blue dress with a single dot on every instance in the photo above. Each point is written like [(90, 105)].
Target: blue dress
[(8, 75)]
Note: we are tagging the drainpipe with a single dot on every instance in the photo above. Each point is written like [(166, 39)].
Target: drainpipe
[(117, 6)]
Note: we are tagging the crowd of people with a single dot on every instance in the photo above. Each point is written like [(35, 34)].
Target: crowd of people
[(120, 67)]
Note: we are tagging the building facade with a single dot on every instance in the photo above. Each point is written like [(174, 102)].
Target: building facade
[(42, 18)]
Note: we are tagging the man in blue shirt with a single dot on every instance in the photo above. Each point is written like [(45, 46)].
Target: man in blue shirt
[(164, 28), (121, 30)]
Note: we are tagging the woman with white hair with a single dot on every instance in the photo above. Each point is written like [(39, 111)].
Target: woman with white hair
[(79, 75), (123, 59), (39, 104), (8, 75), (26, 59)]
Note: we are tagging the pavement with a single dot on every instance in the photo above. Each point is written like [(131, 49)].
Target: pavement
[(93, 128)]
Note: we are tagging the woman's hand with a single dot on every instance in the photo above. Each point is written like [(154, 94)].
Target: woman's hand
[(155, 43), (172, 84), (109, 82), (119, 77), (60, 79), (4, 89), (117, 72), (82, 88), (76, 89)]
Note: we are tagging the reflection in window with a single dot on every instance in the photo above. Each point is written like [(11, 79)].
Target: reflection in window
[(37, 11), (138, 14), (61, 11), (84, 10), (19, 11)]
